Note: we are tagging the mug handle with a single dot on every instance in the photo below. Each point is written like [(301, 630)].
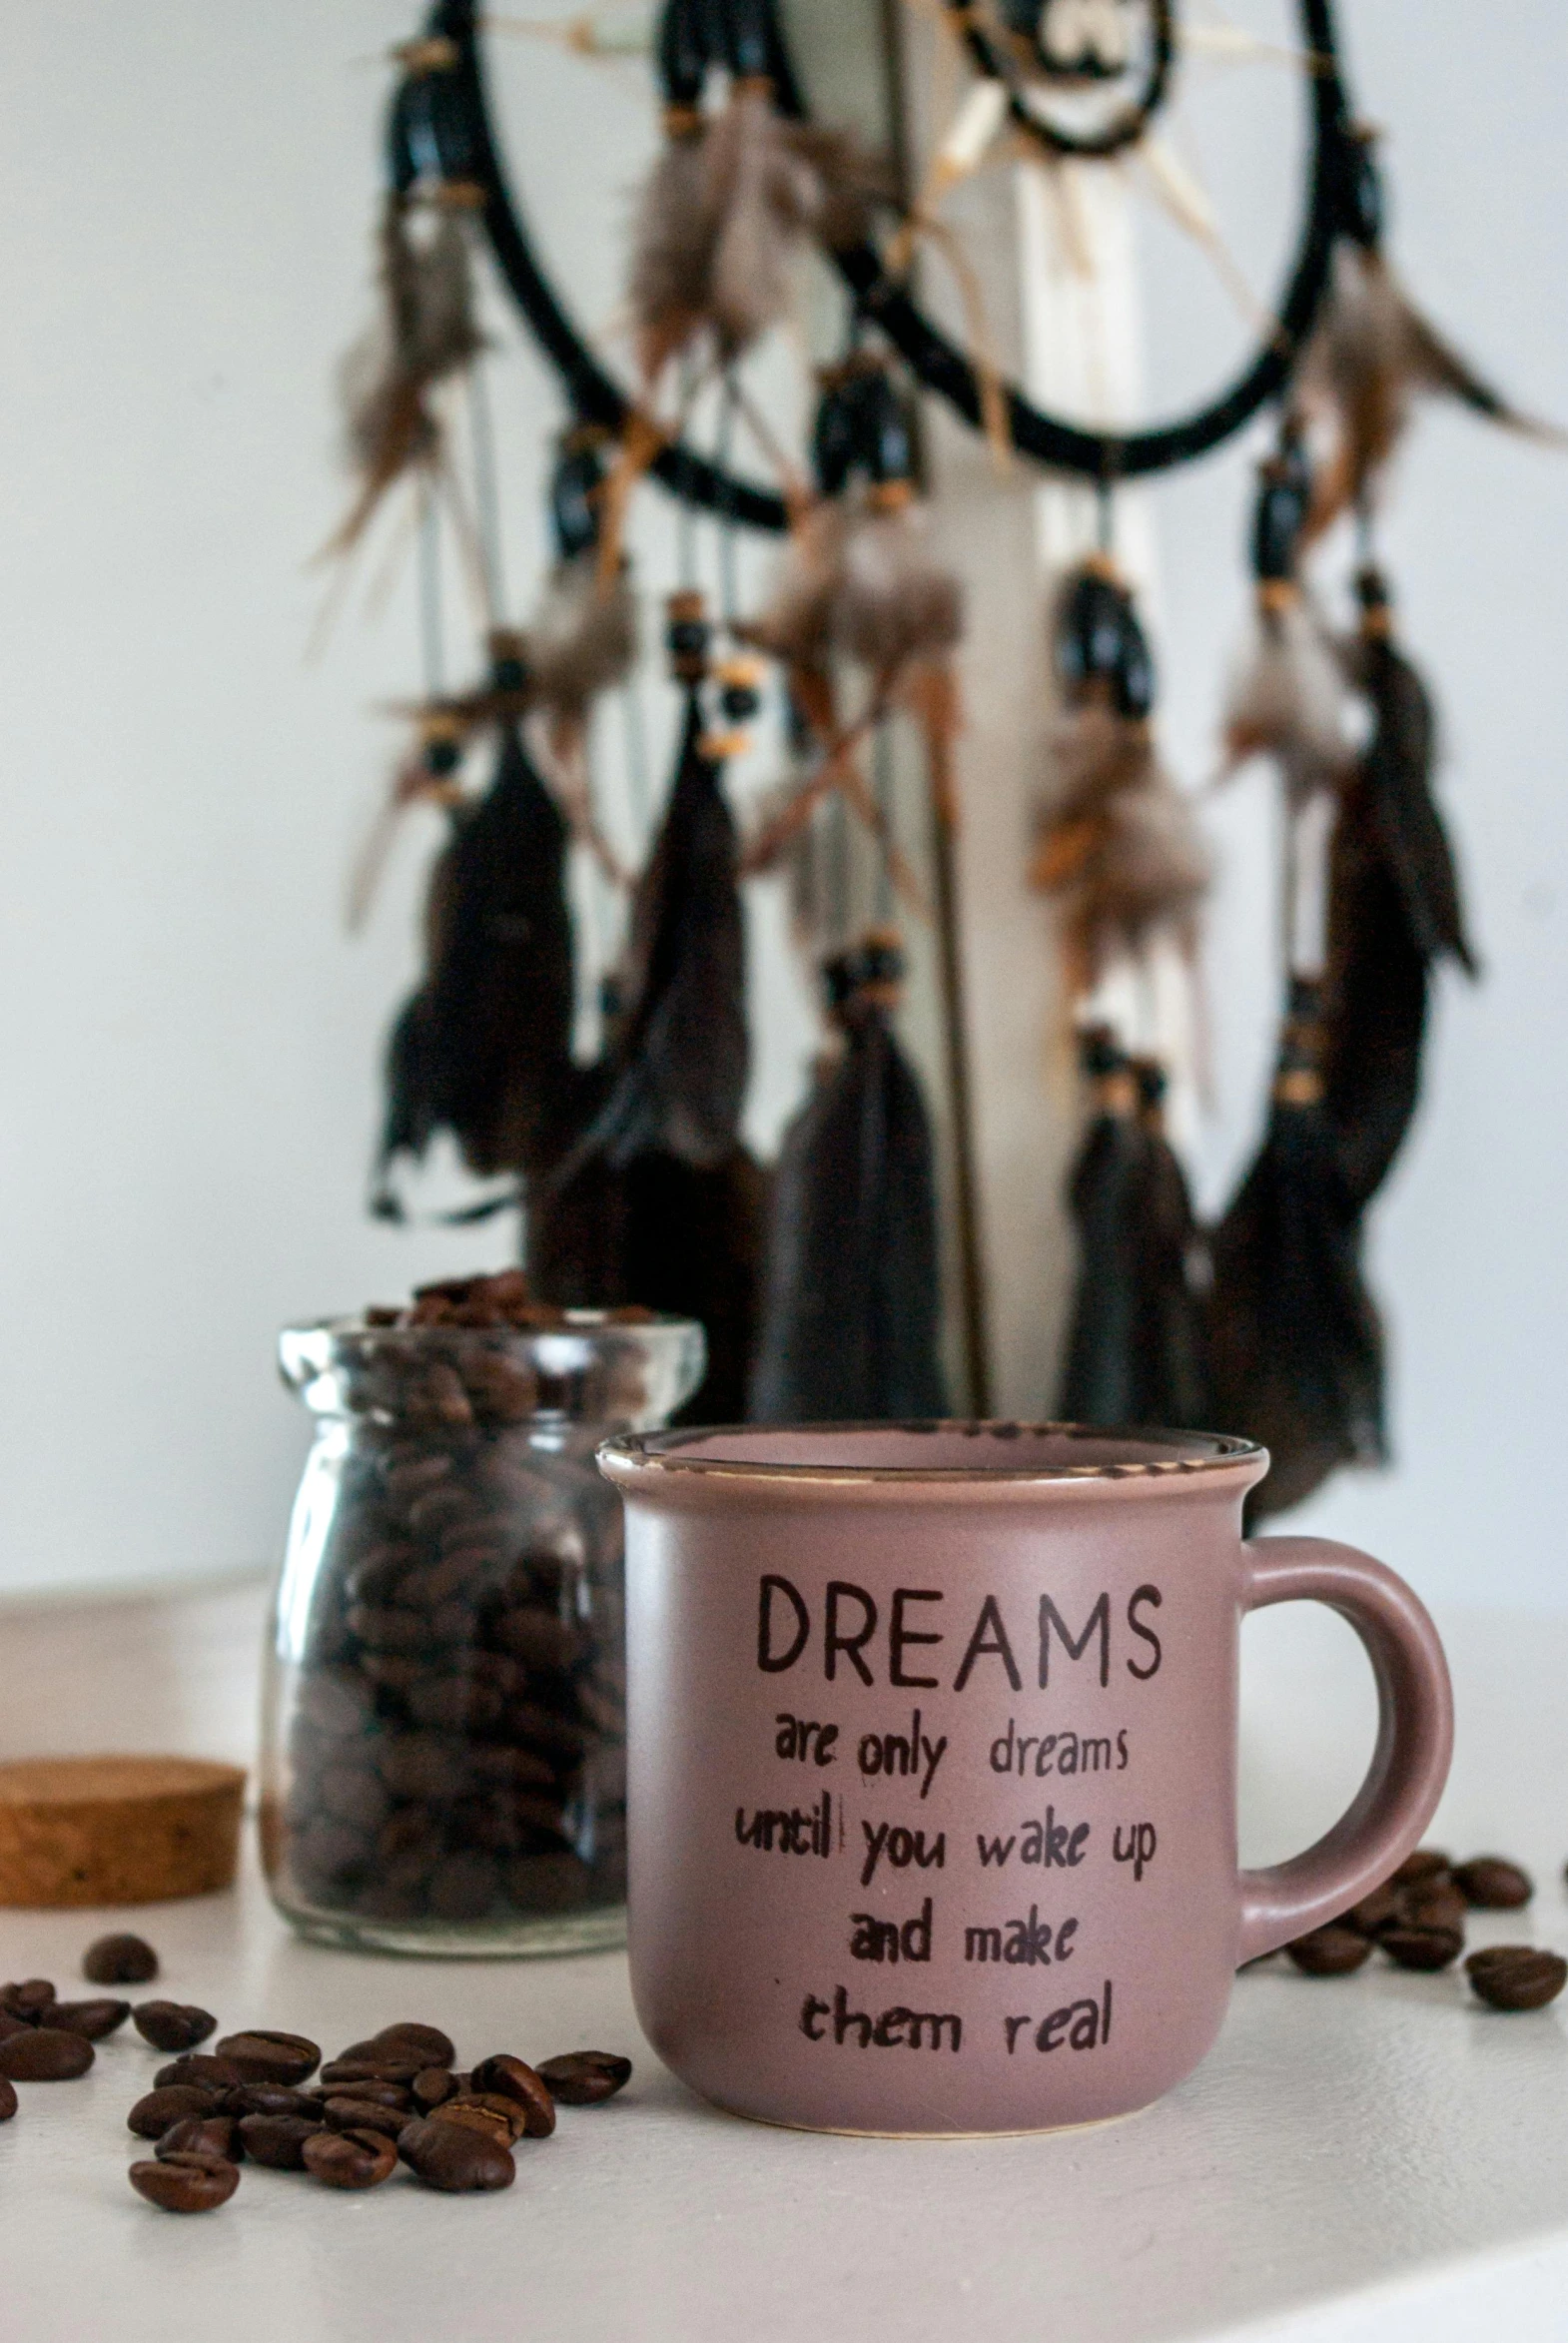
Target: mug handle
[(1415, 1732)]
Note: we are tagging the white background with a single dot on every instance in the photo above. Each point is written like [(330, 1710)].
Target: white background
[(189, 1086)]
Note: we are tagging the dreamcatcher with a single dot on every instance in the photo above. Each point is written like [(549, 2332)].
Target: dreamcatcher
[(822, 1298)]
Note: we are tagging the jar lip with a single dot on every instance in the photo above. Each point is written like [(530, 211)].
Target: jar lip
[(352, 1329)]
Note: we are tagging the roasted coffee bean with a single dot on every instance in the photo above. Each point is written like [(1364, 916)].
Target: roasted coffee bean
[(202, 2135), (10, 2025), (268, 2098), (8, 2099), (94, 2021), (510, 2078), (120, 1961), (1516, 1976), (500, 2122), (263, 2057), (370, 2094), (1384, 1908), (187, 2184), (1422, 1948), (583, 2078), (463, 1887), (1439, 1908), (172, 2025), (1490, 1882), (1427, 1863), (455, 2159), (197, 2066), (365, 2116), (42, 2053), (26, 1999), (406, 2036), (155, 2114), (351, 2159), (433, 2087), (344, 2074), (1331, 1952), (277, 2141)]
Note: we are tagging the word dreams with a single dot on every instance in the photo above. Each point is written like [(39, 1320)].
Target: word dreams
[(852, 1631), (896, 2028), (1057, 1752)]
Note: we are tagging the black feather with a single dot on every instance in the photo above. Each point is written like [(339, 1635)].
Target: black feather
[(1170, 1352), (1098, 1379), (1296, 1343), (680, 1067), (1398, 766), (484, 1049), (1378, 988), (853, 1294)]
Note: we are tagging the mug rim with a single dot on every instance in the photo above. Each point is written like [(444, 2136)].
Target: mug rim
[(635, 1457)]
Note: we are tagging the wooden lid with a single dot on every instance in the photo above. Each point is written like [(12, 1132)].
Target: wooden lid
[(117, 1830)]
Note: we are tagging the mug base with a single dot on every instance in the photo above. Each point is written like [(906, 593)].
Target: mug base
[(857, 2131)]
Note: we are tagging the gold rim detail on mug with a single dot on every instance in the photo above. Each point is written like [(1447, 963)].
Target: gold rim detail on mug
[(634, 1455)]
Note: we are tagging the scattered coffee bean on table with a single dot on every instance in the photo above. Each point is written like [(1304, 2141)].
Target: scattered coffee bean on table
[(455, 2159), (94, 2021), (1432, 1949), (261, 2056), (365, 2116), (277, 2141), (351, 2159), (27, 1998), (1492, 1884), (1427, 1863), (1384, 1908), (266, 2098), (585, 2079), (1334, 1951), (197, 2066), (431, 2087), (510, 2078), (160, 2111), (187, 2184), (1516, 1976), (120, 1961), (44, 2055), (405, 2041), (500, 2122), (172, 2025), (10, 2026), (202, 2135), (8, 2099)]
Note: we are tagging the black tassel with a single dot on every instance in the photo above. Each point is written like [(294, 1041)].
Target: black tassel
[(1394, 909), (850, 1324), (1171, 1382), (1099, 1384), (484, 1049), (1296, 1343), (682, 1061)]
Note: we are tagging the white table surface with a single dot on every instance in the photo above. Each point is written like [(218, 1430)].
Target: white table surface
[(1370, 2157)]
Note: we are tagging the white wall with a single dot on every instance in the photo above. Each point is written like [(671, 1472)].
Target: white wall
[(189, 1045)]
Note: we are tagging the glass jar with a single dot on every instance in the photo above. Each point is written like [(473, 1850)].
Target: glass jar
[(443, 1764)]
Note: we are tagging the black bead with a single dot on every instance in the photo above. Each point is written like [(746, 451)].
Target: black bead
[(740, 701)]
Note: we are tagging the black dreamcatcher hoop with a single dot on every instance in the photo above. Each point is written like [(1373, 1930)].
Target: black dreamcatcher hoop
[(441, 127)]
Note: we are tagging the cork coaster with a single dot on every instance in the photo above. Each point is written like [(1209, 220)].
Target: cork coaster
[(116, 1830)]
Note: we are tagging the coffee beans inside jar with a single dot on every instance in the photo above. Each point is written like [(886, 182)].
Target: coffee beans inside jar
[(445, 1757)]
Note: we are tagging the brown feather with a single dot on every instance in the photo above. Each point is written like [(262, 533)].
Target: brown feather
[(1119, 849), (1287, 701), (426, 331), (583, 641), (1371, 356), (892, 607)]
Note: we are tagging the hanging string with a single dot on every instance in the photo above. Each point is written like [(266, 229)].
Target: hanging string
[(883, 778), (729, 593), (487, 489), (431, 633)]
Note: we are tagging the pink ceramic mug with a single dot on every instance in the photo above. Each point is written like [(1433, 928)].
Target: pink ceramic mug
[(933, 1763)]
